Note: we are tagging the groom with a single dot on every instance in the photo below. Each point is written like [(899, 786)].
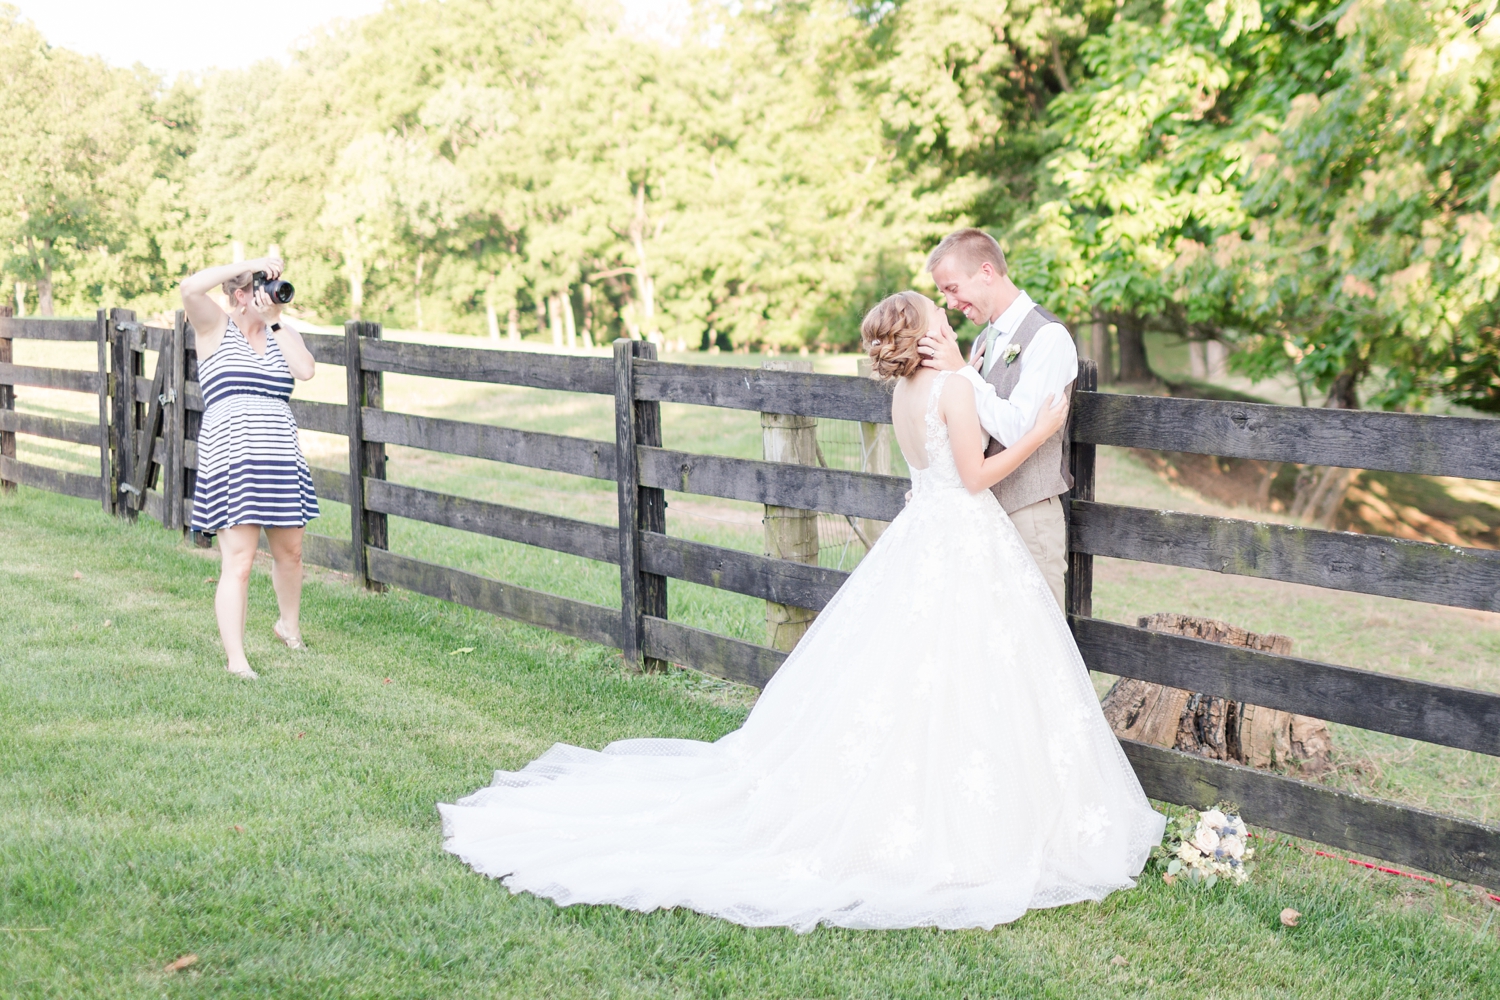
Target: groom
[(1022, 355)]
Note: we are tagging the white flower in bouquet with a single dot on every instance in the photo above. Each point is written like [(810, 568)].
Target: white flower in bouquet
[(1209, 847)]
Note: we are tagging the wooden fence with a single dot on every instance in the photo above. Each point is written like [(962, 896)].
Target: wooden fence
[(152, 468)]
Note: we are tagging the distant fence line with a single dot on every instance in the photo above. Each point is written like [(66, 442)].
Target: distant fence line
[(146, 436)]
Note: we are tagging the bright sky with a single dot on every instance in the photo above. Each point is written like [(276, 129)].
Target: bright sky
[(170, 36)]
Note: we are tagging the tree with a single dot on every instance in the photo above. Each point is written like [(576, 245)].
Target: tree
[(1310, 183), (1374, 203), (1147, 160), (75, 134)]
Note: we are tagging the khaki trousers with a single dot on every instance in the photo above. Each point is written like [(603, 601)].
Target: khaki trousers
[(1045, 533)]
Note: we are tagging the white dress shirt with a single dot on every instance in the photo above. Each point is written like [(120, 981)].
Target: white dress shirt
[(1048, 364)]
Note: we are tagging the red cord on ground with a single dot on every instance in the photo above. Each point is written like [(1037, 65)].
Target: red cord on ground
[(1393, 871)]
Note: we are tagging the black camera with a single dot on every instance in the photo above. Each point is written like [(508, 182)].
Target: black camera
[(280, 291)]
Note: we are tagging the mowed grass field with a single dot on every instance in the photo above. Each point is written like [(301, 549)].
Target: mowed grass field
[(284, 831)]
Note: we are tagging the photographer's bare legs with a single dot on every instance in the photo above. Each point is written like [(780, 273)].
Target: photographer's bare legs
[(237, 546), (286, 577)]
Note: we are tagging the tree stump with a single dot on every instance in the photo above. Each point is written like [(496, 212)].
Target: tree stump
[(1216, 727)]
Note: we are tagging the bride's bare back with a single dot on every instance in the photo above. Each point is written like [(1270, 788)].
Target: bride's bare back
[(909, 416)]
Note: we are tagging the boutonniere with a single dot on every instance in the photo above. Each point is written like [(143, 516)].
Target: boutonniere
[(1011, 353)]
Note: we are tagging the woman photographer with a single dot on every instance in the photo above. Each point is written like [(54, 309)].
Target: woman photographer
[(251, 473)]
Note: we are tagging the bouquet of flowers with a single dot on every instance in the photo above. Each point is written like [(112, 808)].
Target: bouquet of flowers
[(1206, 847)]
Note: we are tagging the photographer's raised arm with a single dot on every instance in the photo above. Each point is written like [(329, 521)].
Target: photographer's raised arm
[(208, 319)]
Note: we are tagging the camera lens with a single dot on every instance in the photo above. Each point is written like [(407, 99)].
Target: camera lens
[(280, 291)]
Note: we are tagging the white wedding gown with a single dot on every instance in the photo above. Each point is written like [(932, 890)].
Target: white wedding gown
[(932, 754)]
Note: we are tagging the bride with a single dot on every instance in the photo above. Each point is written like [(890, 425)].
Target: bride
[(931, 754)]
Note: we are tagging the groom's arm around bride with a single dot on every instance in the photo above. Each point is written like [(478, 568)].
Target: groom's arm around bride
[(1022, 355)]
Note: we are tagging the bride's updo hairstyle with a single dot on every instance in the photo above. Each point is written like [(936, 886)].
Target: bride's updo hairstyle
[(890, 333)]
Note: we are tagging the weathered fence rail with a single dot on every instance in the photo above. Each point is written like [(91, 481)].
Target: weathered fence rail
[(151, 468), (1365, 564), (1349, 439), (14, 472)]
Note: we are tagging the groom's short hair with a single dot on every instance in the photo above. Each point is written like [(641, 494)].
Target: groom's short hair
[(969, 248)]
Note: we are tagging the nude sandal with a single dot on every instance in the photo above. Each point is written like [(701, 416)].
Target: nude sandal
[(290, 641), (244, 672)]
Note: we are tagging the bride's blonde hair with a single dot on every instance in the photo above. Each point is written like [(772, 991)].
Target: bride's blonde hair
[(890, 331)]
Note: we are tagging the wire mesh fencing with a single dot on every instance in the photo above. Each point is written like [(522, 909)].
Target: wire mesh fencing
[(855, 447)]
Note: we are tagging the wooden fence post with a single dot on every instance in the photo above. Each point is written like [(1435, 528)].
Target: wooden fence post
[(101, 343), (1079, 583), (791, 533), (126, 364), (7, 402), (639, 508), (172, 356), (651, 508), (366, 458), (153, 424), (875, 456), (192, 422)]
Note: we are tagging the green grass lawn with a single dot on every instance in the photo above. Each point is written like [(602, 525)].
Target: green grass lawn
[(154, 807), (285, 831)]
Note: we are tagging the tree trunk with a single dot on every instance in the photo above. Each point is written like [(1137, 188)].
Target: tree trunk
[(1132, 342), (43, 264), (586, 292), (570, 321), (44, 288), (355, 273), (554, 319), (417, 292), (645, 286), (1343, 394), (1100, 348), (513, 325), (1269, 472), (1321, 490), (492, 322), (1216, 727)]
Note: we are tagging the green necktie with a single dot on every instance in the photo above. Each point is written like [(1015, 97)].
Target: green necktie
[(991, 334)]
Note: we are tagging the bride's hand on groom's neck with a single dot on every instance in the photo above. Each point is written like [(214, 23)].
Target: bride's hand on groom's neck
[(939, 350)]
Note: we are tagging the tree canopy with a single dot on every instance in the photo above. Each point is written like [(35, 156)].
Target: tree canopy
[(1314, 184)]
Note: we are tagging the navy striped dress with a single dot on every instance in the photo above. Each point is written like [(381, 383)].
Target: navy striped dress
[(250, 464)]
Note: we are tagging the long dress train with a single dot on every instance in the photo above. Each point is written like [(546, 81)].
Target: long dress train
[(931, 754)]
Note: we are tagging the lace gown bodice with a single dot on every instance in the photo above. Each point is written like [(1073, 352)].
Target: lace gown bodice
[(931, 754), (941, 472)]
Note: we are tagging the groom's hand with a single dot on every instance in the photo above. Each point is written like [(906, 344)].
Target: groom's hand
[(939, 349)]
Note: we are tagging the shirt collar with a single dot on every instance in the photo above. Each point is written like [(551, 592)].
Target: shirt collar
[(1005, 324)]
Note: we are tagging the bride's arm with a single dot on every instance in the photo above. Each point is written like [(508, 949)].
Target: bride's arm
[(964, 434)]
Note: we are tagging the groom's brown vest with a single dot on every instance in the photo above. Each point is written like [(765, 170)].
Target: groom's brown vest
[(1045, 473)]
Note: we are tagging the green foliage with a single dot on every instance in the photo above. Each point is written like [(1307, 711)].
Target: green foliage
[(1313, 183), (77, 138)]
